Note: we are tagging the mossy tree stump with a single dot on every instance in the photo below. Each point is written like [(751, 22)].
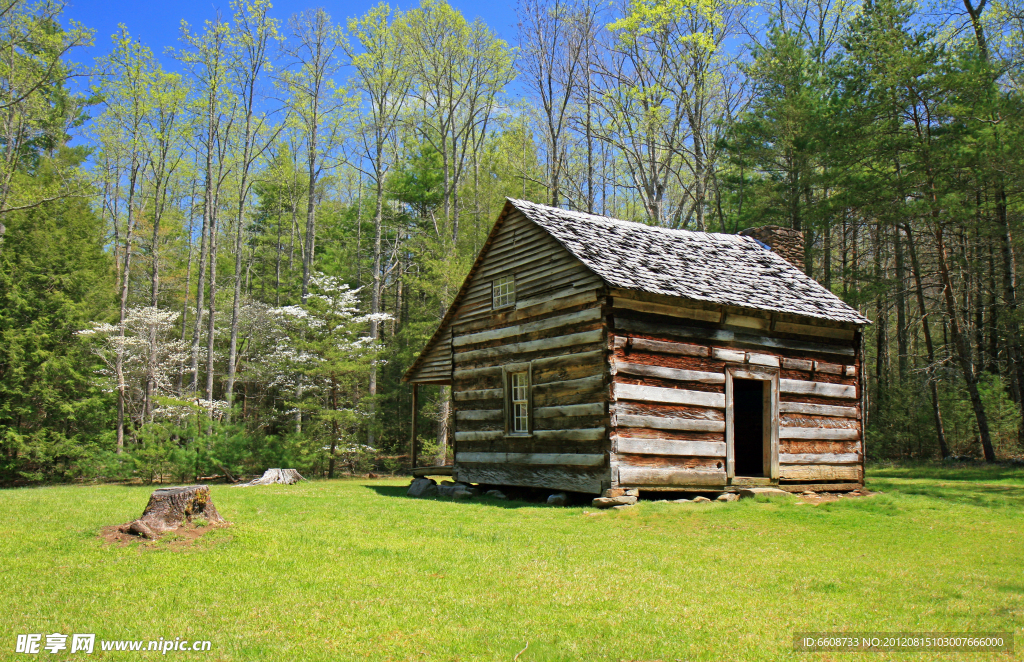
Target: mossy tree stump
[(170, 507)]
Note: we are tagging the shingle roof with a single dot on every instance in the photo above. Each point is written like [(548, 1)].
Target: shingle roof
[(703, 266)]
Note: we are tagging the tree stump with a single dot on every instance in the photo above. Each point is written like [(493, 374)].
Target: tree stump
[(271, 476), (171, 507)]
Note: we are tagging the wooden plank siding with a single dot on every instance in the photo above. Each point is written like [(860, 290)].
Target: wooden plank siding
[(436, 365), (668, 398), (557, 327)]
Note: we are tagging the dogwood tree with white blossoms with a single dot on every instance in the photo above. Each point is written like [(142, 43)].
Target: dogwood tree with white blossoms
[(321, 353), (315, 357), (148, 353)]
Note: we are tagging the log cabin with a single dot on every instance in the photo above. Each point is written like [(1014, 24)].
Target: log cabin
[(586, 353)]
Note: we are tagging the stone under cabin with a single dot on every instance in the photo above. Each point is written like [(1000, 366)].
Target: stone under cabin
[(588, 354)]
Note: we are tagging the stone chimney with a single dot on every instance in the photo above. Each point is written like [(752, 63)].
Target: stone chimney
[(787, 242)]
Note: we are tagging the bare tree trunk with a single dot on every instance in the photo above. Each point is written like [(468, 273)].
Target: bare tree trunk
[(294, 198), (307, 254), (188, 283), (1009, 268), (843, 249), (901, 309), (826, 249), (962, 350), (359, 233), (993, 317), (119, 362), (978, 306), (277, 262), (243, 191), (253, 36), (399, 303), (881, 323), (378, 222), (699, 166), (235, 308), (201, 272), (158, 209), (1013, 343), (117, 231), (933, 389), (334, 425), (588, 122), (449, 213), (211, 312)]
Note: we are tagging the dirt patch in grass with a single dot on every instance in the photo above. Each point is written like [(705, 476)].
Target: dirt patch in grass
[(184, 537)]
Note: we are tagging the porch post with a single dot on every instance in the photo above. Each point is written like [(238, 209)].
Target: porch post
[(415, 391)]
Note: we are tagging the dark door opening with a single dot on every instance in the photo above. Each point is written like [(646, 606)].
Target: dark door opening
[(748, 426)]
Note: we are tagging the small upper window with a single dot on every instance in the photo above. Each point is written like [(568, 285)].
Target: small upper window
[(503, 291)]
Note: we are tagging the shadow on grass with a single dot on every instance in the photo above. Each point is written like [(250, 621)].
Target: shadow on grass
[(975, 493), (974, 471), (400, 491)]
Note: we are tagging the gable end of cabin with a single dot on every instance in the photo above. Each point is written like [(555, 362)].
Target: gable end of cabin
[(529, 368)]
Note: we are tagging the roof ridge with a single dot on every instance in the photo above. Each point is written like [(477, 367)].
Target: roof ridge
[(736, 238)]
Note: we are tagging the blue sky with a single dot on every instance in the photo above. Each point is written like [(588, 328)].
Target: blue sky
[(156, 22)]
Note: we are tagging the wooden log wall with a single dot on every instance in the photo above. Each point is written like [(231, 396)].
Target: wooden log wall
[(436, 365), (557, 326), (668, 418)]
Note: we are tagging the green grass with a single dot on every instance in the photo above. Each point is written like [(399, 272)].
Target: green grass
[(351, 569)]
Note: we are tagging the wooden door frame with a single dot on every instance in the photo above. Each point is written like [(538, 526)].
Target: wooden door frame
[(770, 426)]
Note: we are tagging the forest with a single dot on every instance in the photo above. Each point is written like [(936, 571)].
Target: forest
[(228, 264)]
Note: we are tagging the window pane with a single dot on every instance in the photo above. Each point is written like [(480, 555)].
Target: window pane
[(519, 387), (520, 406), (521, 419), (503, 291)]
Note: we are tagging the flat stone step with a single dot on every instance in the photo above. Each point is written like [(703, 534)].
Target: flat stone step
[(821, 487), (447, 470), (750, 492)]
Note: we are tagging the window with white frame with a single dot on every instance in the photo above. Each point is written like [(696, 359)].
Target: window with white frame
[(503, 291), (518, 385)]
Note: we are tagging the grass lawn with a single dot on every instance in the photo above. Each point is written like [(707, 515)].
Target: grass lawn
[(352, 569)]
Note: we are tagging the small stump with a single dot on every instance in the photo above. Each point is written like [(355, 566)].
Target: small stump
[(272, 476), (171, 507)]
